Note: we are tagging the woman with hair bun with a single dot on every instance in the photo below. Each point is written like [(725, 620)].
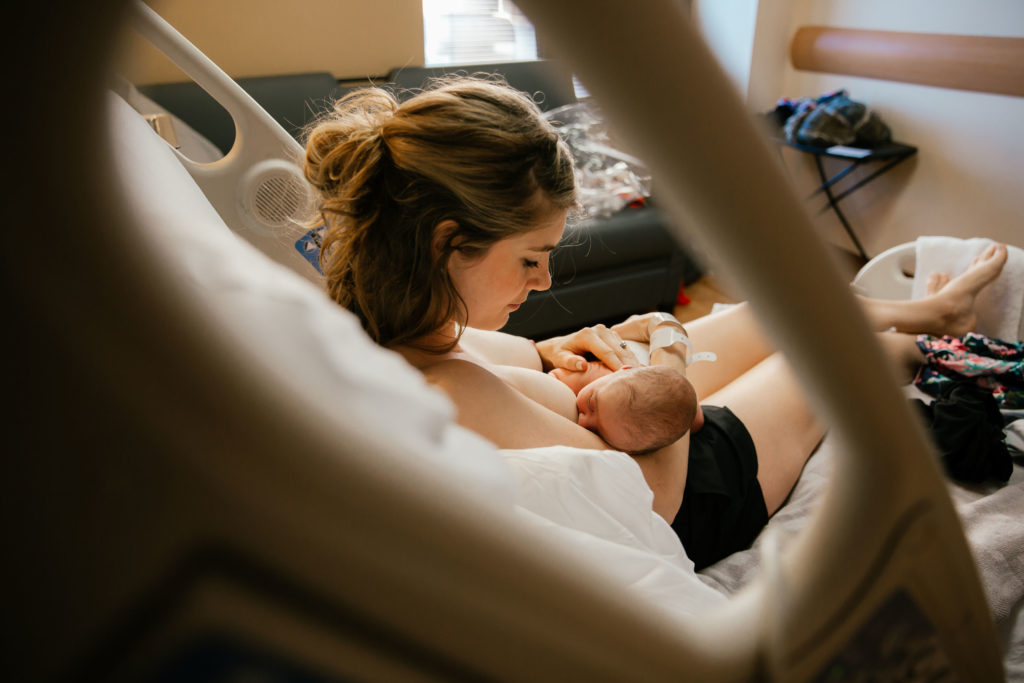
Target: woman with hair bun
[(440, 216)]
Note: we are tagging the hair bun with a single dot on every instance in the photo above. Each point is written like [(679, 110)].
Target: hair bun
[(346, 143)]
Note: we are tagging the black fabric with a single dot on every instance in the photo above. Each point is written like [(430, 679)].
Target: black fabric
[(723, 508), (967, 428)]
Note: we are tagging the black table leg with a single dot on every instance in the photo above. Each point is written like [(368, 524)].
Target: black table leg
[(826, 187)]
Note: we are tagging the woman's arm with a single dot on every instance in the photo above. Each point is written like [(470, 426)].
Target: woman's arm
[(669, 344), (665, 472), (565, 351)]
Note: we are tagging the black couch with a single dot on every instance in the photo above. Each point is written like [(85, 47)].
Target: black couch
[(604, 270)]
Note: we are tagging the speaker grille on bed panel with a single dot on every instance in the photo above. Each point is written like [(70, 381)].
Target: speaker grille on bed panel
[(274, 195), (277, 199)]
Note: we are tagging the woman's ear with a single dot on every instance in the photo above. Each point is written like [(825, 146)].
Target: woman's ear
[(442, 233)]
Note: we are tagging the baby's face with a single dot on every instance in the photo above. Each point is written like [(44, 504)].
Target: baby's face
[(577, 379), (600, 405)]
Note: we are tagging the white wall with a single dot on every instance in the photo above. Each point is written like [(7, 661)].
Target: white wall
[(968, 176), (728, 26)]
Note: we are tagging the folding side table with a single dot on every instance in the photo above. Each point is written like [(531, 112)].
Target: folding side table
[(889, 155)]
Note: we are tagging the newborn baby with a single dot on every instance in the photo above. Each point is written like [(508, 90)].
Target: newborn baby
[(636, 410)]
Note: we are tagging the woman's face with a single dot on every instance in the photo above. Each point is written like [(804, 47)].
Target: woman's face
[(497, 283)]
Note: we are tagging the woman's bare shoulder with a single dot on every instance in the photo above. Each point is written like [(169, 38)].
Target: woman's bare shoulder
[(487, 405), (501, 348)]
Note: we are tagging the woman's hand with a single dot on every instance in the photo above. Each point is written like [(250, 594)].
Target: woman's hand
[(604, 343)]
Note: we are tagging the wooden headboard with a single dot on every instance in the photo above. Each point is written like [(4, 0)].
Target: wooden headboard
[(981, 63)]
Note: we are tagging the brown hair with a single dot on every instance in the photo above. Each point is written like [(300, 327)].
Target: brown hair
[(660, 408), (471, 150)]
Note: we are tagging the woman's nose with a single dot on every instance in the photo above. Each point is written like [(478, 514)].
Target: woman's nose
[(543, 279)]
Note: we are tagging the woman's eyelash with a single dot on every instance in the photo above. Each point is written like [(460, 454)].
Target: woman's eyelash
[(530, 264)]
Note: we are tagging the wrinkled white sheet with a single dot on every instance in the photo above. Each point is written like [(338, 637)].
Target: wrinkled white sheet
[(993, 520), (597, 505)]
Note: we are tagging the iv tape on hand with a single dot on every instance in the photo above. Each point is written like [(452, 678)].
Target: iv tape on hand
[(668, 335)]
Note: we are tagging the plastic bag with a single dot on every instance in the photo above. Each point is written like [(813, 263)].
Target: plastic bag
[(607, 179)]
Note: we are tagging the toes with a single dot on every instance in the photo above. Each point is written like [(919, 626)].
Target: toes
[(937, 281)]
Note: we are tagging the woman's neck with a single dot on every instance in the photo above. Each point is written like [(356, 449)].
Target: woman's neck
[(433, 347)]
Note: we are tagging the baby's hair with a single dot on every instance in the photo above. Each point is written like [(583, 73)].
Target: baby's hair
[(468, 149), (660, 408)]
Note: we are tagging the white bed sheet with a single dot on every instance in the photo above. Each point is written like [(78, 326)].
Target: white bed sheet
[(993, 521), (596, 505)]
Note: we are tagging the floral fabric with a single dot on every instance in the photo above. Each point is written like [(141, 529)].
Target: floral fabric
[(994, 364)]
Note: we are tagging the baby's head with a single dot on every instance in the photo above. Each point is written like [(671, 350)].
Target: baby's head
[(638, 410)]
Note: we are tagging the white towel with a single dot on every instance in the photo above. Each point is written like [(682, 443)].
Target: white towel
[(1000, 305)]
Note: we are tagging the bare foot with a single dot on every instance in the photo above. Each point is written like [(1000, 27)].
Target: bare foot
[(955, 297), (936, 281)]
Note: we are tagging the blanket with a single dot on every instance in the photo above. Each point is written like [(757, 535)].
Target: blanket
[(596, 505)]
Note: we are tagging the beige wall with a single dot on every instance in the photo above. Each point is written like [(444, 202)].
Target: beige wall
[(967, 179), (348, 38), (968, 176)]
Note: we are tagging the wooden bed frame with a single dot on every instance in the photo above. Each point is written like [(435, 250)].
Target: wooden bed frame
[(963, 62)]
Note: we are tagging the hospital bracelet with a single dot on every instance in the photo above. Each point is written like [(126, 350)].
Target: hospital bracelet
[(668, 335)]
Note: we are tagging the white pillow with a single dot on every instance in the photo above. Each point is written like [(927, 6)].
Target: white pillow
[(315, 348)]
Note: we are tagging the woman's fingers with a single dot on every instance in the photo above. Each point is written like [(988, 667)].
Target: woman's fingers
[(609, 347), (567, 352), (560, 352), (634, 327)]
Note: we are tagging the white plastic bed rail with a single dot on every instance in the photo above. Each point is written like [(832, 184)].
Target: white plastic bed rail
[(257, 187), (887, 528), (187, 461)]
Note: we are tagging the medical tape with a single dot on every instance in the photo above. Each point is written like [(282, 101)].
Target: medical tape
[(668, 335), (664, 317)]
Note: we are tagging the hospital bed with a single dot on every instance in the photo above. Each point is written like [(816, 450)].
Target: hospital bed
[(232, 479)]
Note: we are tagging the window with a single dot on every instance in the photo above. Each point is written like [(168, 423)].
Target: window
[(476, 32)]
